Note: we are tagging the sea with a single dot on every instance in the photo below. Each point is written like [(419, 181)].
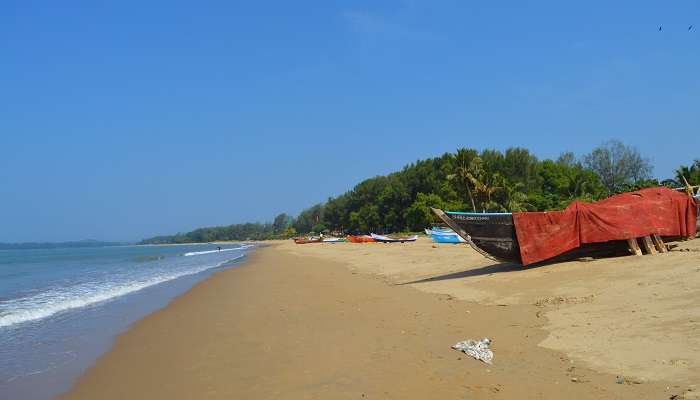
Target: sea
[(60, 309)]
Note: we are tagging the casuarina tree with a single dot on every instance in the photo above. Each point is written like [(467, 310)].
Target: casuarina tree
[(617, 164)]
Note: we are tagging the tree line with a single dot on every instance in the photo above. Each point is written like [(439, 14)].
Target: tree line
[(468, 180), (280, 228)]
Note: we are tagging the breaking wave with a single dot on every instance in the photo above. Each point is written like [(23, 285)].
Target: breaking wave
[(199, 253), (50, 302)]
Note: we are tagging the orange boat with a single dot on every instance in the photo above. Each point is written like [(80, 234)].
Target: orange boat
[(361, 239)]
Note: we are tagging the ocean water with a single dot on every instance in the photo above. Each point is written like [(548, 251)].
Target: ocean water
[(60, 309)]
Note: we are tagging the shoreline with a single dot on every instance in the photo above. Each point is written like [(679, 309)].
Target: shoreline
[(291, 320), (49, 337)]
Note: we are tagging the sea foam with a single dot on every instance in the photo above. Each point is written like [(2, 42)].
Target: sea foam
[(46, 304), (199, 253)]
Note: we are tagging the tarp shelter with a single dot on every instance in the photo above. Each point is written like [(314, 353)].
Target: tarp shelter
[(662, 211)]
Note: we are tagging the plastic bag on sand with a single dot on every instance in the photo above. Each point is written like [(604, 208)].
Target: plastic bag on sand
[(478, 349)]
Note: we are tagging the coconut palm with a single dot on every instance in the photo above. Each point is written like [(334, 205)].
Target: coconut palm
[(691, 174), (515, 198), (462, 172), (485, 184)]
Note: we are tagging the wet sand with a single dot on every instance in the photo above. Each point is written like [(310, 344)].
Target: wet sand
[(377, 321)]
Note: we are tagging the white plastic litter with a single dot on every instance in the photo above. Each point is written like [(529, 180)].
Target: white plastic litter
[(478, 349)]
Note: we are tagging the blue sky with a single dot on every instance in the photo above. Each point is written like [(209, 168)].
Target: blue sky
[(121, 120)]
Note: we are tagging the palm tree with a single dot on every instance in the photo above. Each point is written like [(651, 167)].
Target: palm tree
[(516, 199), (485, 184), (462, 173), (691, 174)]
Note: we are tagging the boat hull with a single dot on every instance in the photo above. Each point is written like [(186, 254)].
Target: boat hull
[(386, 239), (360, 239), (334, 240), (449, 239), (493, 235), (307, 241)]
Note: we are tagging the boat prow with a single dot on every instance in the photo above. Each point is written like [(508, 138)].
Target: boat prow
[(490, 234)]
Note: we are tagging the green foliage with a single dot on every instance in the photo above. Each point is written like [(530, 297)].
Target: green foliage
[(515, 200), (617, 165), (563, 181), (491, 180), (365, 219), (484, 183), (514, 180), (308, 218), (247, 231), (419, 215), (691, 174), (281, 222), (638, 185), (463, 174), (319, 228)]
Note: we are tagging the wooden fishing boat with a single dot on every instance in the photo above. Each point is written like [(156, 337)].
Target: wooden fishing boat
[(614, 226), (387, 239), (361, 239), (333, 240), (491, 234), (307, 240)]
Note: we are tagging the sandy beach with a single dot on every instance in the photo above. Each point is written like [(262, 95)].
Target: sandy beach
[(377, 321)]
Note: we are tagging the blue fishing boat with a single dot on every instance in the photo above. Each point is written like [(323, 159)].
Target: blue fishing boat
[(447, 238), (439, 231)]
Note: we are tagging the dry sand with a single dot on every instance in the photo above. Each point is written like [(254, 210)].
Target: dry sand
[(637, 316), (327, 321)]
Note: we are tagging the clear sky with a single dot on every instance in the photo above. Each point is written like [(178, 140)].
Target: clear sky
[(125, 119)]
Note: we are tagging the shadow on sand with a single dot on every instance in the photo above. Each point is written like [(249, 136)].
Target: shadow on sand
[(486, 270)]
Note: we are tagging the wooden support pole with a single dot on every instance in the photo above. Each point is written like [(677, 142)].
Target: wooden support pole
[(659, 243), (647, 245), (688, 188), (634, 247)]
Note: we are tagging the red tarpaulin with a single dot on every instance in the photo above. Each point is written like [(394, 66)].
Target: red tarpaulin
[(543, 235)]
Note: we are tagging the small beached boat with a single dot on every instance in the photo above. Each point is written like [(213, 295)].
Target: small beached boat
[(444, 235), (333, 240), (307, 240), (608, 227), (361, 239), (452, 238), (387, 239), (439, 231), (431, 232)]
